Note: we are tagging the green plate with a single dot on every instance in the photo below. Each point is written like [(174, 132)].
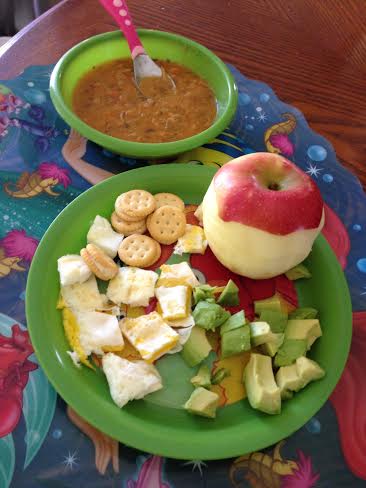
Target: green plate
[(156, 425)]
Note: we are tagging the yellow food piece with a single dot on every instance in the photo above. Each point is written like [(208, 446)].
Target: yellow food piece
[(174, 301), (72, 335), (177, 274), (60, 302), (193, 241)]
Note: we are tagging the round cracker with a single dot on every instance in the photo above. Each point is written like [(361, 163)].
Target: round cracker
[(127, 228), (138, 250), (162, 199), (166, 224), (136, 204)]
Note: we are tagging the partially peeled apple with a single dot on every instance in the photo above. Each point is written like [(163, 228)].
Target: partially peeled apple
[(261, 215)]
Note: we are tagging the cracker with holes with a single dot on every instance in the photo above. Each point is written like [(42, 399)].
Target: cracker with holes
[(139, 251), (162, 199), (135, 204), (166, 224), (127, 228)]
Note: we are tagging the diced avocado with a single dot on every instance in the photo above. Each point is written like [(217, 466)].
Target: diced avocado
[(308, 370), (202, 378), (220, 375), (202, 402), (303, 313), (197, 348), (230, 295), (233, 322), (260, 332), (288, 380), (209, 315), (263, 393), (299, 271), (235, 341), (308, 329), (276, 320), (290, 350), (270, 348), (203, 292), (272, 303)]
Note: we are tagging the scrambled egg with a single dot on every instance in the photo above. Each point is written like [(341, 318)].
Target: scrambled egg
[(193, 241), (72, 269), (129, 380), (72, 335), (174, 301), (177, 274), (102, 235), (150, 335), (132, 286), (83, 297)]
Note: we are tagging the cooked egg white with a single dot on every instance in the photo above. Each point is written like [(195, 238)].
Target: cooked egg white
[(83, 297), (132, 286), (72, 269), (193, 241), (177, 274), (150, 335), (174, 301), (102, 235), (129, 380), (181, 323), (99, 332)]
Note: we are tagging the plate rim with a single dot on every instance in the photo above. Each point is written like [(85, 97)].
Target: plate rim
[(149, 442)]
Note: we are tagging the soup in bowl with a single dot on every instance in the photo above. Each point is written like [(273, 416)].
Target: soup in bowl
[(93, 89)]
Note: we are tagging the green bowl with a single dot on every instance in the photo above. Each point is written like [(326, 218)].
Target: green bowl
[(160, 45), (158, 424)]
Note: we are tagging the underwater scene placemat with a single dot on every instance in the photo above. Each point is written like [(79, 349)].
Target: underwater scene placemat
[(43, 166)]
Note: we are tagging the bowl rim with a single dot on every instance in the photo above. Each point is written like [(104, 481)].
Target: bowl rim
[(142, 149)]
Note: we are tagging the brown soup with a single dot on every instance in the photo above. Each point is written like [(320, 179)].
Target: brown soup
[(107, 99)]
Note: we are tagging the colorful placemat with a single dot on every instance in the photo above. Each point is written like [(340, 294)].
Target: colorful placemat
[(43, 166)]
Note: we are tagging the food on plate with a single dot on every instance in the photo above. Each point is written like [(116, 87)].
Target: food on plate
[(143, 314), (72, 269), (132, 286), (298, 272), (166, 224), (139, 250), (170, 199), (135, 204), (150, 335), (262, 390), (99, 263), (129, 380), (261, 215), (193, 241), (127, 228), (102, 235), (202, 402), (174, 301), (107, 99), (197, 348)]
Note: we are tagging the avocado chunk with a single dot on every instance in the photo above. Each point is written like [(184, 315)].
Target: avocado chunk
[(290, 350), (203, 292), (308, 370), (298, 272), (219, 376), (209, 315), (276, 320), (270, 348), (304, 313), (233, 322), (235, 341), (260, 332), (308, 329), (271, 303), (197, 348), (202, 402), (263, 393), (288, 380), (202, 378), (229, 295)]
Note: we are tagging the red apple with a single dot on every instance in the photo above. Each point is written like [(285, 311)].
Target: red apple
[(261, 215)]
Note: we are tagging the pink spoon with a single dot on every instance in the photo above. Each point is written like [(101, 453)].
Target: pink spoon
[(143, 65)]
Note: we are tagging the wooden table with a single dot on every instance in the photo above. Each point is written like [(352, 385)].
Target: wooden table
[(312, 53)]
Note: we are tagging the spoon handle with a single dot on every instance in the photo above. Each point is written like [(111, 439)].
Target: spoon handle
[(119, 11)]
